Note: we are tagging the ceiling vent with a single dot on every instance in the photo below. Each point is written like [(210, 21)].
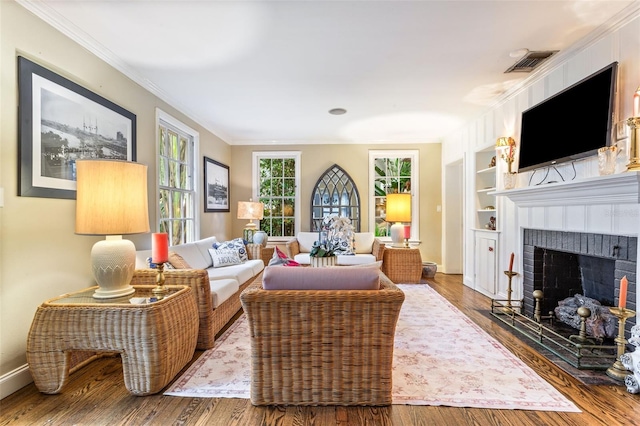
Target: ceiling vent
[(531, 61)]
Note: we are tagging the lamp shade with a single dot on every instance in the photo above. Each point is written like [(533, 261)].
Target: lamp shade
[(250, 210), (111, 198), (504, 142), (398, 207)]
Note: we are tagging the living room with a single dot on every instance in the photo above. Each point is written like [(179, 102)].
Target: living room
[(42, 257)]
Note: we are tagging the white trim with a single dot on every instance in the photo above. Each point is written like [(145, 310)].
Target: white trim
[(14, 380), (172, 121), (414, 154), (297, 155)]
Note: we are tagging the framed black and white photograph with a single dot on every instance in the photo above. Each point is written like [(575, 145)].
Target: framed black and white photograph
[(60, 122), (216, 186)]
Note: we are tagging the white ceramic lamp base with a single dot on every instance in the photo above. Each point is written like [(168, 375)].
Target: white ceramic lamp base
[(397, 235), (113, 261)]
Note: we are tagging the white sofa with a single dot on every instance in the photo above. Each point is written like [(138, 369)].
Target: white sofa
[(368, 249), (217, 289)]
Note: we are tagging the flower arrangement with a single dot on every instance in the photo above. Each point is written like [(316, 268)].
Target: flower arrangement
[(336, 236), (508, 156)]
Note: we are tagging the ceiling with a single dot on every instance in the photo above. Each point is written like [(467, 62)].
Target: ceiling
[(268, 72)]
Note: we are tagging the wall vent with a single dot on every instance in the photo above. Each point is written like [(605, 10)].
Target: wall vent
[(530, 61)]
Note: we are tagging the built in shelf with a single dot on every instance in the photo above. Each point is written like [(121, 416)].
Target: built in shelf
[(487, 170), (621, 188)]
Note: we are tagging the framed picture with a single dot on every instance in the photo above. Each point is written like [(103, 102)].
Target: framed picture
[(60, 122), (216, 186)]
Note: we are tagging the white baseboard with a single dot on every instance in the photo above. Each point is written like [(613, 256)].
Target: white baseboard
[(14, 380)]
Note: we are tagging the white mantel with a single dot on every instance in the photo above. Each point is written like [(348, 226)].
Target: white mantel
[(621, 188)]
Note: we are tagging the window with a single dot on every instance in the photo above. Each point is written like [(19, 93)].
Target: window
[(335, 192), (177, 144), (276, 180), (392, 172)]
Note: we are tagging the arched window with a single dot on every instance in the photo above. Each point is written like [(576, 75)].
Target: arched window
[(335, 192)]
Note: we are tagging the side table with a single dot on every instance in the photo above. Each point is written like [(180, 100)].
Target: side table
[(155, 340), (402, 265)]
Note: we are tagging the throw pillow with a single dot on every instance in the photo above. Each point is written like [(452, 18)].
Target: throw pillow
[(224, 257), (279, 258), (177, 261), (152, 265), (235, 244)]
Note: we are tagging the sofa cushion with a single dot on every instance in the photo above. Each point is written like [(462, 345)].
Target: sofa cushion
[(235, 244), (177, 261), (282, 278), (224, 257), (359, 259), (222, 289), (204, 246), (192, 255), (241, 273), (279, 258), (363, 242), (306, 240)]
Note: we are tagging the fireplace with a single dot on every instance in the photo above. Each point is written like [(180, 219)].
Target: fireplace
[(563, 264)]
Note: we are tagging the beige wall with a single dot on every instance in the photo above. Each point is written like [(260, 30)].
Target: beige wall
[(40, 256), (354, 159)]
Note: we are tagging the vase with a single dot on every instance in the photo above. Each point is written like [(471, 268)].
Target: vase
[(429, 269), (607, 160), (509, 180), (261, 238), (322, 262)]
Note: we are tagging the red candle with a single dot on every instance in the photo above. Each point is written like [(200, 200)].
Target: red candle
[(511, 262), (159, 247), (407, 231), (622, 300), (636, 103)]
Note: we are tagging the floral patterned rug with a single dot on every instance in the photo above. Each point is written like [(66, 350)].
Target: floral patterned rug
[(441, 357)]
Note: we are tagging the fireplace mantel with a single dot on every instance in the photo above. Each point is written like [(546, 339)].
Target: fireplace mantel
[(621, 188)]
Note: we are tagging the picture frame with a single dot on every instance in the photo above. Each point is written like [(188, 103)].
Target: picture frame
[(216, 186), (60, 122)]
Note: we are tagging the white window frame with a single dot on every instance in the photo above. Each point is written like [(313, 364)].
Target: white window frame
[(296, 155), (414, 154), (163, 117)]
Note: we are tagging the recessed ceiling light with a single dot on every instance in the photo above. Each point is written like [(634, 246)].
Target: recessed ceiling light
[(337, 111)]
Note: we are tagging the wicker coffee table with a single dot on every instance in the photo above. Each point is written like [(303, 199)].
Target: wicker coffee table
[(155, 340), (402, 265)]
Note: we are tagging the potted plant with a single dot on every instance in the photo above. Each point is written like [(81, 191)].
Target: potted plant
[(322, 254)]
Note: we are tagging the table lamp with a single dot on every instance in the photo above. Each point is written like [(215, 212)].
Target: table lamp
[(398, 211), (111, 200), (250, 210)]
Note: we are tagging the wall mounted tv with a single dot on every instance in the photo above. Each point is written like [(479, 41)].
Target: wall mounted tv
[(571, 124)]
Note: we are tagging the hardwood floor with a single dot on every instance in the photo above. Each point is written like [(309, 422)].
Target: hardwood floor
[(95, 395)]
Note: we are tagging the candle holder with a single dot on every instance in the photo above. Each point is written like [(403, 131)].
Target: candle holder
[(509, 274), (617, 370), (634, 152), (160, 290), (406, 243)]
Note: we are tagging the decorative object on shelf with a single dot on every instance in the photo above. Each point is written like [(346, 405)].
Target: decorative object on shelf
[(490, 208), (112, 201), (159, 256), (492, 163), (607, 156), (631, 361), (250, 210), (491, 226), (509, 178), (398, 211)]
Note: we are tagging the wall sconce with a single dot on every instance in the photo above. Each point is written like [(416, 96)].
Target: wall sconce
[(111, 200), (398, 211)]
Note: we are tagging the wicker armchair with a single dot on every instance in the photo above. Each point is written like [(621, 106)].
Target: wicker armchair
[(322, 347)]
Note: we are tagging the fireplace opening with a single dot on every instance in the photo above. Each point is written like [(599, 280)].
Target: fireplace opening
[(564, 264)]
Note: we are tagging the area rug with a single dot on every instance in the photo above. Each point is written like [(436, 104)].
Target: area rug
[(441, 357)]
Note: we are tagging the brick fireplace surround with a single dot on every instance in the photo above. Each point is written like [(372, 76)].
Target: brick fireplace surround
[(621, 250)]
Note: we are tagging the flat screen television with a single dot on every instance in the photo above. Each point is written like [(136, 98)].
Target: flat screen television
[(571, 124)]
